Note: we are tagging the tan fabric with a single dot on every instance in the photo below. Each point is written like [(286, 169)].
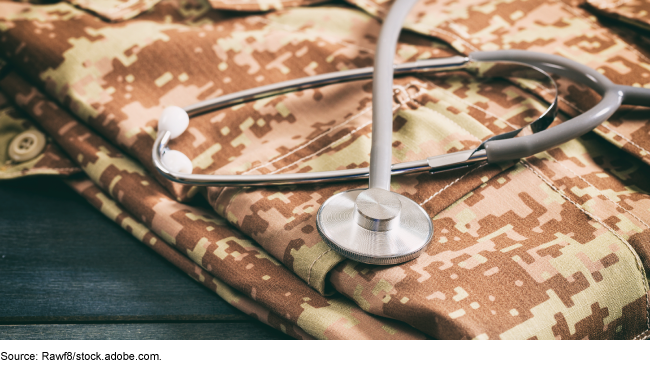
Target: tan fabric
[(119, 10), (115, 212), (260, 5), (204, 238), (49, 162), (116, 10), (552, 246)]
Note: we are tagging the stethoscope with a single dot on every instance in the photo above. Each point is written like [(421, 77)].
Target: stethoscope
[(376, 225)]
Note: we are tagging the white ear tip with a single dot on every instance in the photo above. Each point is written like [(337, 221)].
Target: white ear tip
[(177, 162), (173, 119)]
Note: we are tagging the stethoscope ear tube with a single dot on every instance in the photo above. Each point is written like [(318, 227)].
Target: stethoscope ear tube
[(613, 96), (520, 147)]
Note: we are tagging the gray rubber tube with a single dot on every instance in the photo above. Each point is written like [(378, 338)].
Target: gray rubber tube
[(635, 95), (613, 96), (382, 95)]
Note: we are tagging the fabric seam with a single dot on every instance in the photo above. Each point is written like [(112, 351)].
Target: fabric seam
[(600, 191), (297, 148), (638, 262), (450, 184), (313, 263), (643, 335), (605, 126), (592, 26), (558, 162)]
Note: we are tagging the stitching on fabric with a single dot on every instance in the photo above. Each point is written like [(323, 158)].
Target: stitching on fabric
[(298, 148), (403, 88), (450, 184), (560, 163), (605, 126), (365, 110), (638, 261), (484, 110), (326, 147), (593, 26), (564, 196), (643, 335), (624, 138), (608, 198), (312, 140), (334, 142), (313, 263)]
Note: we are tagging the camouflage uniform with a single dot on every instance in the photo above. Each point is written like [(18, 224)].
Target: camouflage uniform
[(551, 246)]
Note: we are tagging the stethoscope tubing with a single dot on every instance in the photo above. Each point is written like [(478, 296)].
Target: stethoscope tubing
[(457, 159), (613, 96), (422, 66)]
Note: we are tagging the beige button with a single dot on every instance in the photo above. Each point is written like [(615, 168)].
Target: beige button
[(26, 145)]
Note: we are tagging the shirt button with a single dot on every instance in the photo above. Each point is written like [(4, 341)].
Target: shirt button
[(26, 145)]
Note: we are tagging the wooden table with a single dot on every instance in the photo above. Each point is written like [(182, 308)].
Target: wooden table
[(68, 272)]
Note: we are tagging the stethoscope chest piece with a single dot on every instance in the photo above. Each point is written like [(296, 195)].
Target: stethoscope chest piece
[(374, 226)]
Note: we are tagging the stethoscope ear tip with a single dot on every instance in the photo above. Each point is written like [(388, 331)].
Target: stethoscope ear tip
[(374, 226), (177, 161), (173, 119)]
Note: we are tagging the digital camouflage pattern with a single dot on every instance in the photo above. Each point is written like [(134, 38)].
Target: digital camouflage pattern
[(204, 238), (115, 212), (118, 10), (553, 246), (543, 26), (49, 162)]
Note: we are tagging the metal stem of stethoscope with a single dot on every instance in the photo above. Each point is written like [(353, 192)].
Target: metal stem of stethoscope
[(373, 225), (376, 225)]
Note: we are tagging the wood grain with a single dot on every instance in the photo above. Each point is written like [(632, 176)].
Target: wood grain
[(62, 261), (144, 331)]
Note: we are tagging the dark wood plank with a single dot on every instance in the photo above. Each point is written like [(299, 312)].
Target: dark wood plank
[(143, 331), (61, 260)]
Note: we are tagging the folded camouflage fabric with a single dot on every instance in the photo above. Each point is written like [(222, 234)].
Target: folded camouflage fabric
[(49, 162), (553, 246), (118, 10), (232, 260)]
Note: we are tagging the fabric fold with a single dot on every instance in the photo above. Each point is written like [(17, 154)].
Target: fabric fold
[(115, 10), (201, 236), (555, 27), (552, 246), (51, 161), (112, 210)]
